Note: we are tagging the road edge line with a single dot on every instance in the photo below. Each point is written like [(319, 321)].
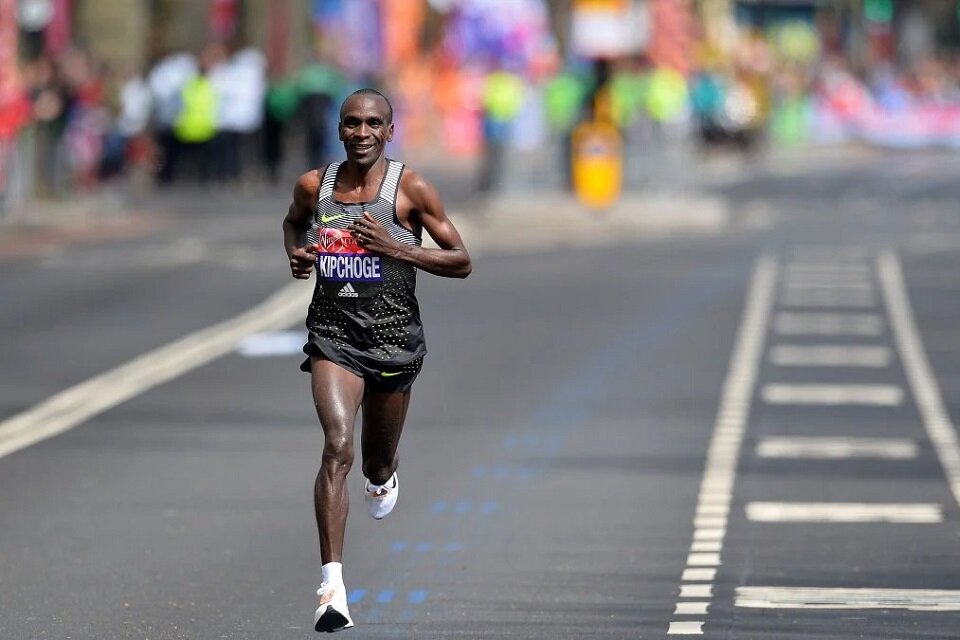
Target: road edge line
[(923, 383), (77, 404)]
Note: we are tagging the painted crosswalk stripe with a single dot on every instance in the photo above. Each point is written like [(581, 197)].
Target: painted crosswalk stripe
[(884, 395), (840, 299), (836, 447), (828, 324), (843, 598), (811, 269), (830, 253), (827, 285), (788, 355), (844, 512)]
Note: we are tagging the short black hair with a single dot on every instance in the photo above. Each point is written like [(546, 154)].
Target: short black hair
[(367, 91)]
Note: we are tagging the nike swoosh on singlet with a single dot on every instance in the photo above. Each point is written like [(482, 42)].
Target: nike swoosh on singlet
[(324, 218), (387, 374)]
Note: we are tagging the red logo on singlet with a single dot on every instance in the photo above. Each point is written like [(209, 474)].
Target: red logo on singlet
[(338, 241)]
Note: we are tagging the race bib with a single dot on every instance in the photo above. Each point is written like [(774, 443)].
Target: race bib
[(346, 269)]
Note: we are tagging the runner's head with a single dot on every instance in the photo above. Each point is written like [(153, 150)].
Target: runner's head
[(366, 125)]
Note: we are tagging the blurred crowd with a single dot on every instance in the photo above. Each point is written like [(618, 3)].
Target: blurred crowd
[(188, 115), (484, 84)]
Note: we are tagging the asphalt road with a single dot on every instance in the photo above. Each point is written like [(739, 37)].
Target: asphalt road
[(743, 434)]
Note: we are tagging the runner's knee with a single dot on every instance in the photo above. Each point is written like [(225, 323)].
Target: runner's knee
[(338, 454)]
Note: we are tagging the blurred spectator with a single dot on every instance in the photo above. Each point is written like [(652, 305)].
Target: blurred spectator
[(282, 102), (128, 136), (320, 87), (196, 125), (49, 111), (503, 94), (240, 86), (167, 79)]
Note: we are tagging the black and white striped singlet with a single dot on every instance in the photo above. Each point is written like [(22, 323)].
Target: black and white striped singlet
[(364, 305)]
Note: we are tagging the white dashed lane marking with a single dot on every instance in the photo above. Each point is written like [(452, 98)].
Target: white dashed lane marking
[(844, 512), (716, 488), (828, 324), (787, 355), (834, 598), (824, 299), (836, 448), (884, 395)]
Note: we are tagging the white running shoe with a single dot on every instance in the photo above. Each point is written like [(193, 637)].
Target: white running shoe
[(332, 614), (381, 499)]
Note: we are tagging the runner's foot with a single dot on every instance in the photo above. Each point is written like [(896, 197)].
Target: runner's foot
[(381, 499), (332, 614)]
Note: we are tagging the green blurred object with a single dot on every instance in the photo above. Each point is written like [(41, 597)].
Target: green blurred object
[(563, 99), (878, 10), (790, 124), (628, 93), (503, 96), (666, 97), (797, 41), (283, 99), (320, 78)]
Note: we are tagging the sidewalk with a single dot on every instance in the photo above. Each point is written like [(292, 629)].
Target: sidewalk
[(509, 221)]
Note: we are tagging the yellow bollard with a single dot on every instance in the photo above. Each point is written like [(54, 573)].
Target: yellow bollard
[(597, 163)]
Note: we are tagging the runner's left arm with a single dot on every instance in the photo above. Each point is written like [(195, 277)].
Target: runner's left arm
[(450, 259)]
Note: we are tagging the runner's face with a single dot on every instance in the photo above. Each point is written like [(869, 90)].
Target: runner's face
[(364, 129)]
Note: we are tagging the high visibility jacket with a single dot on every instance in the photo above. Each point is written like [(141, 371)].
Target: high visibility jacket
[(197, 121)]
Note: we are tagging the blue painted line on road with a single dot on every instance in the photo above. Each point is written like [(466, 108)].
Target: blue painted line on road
[(539, 442), (503, 472), (385, 596), (452, 547), (439, 506), (417, 597), (489, 507), (397, 547), (424, 547), (356, 595), (571, 401), (463, 506)]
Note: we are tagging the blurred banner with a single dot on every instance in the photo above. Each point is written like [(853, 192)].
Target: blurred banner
[(608, 28)]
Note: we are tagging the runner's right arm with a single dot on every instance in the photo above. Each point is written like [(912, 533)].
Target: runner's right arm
[(296, 224)]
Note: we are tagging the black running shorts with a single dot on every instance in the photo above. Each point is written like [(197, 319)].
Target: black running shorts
[(378, 377)]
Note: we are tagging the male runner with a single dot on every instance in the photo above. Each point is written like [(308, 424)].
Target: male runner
[(359, 224)]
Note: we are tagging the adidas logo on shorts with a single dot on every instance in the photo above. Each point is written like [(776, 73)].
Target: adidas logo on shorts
[(348, 292)]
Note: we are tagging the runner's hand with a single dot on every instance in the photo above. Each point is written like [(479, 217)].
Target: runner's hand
[(371, 235), (302, 260)]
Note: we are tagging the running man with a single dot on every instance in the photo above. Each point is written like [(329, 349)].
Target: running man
[(359, 224)]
